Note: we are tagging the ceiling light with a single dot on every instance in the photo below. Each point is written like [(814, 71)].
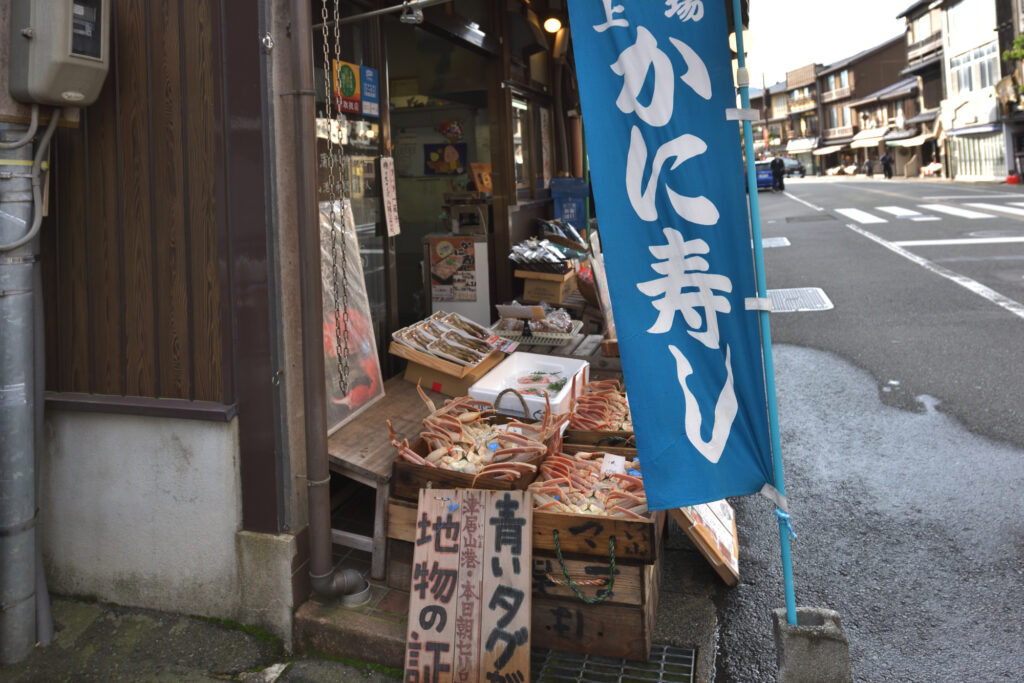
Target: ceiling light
[(552, 24)]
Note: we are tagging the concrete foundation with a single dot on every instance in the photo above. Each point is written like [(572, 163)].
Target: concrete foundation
[(146, 512), (813, 651)]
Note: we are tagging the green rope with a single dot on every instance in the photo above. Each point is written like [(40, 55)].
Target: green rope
[(602, 594)]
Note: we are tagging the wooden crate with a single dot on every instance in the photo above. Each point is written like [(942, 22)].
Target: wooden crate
[(446, 366), (627, 451), (581, 537), (408, 478), (587, 536), (592, 436), (620, 626)]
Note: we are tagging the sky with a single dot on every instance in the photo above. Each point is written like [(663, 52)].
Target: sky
[(789, 34)]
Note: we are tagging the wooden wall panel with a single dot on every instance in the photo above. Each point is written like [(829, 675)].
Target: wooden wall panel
[(104, 257), (133, 256), (132, 76), (171, 250), (73, 304), (201, 210)]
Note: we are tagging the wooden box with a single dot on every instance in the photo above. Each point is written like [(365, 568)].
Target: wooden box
[(587, 536), (408, 478), (550, 287), (440, 375), (628, 451), (598, 439), (622, 625)]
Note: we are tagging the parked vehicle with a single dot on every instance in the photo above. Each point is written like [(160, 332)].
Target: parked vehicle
[(763, 171), (793, 167)]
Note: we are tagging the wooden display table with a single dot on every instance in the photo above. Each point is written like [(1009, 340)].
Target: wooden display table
[(362, 451)]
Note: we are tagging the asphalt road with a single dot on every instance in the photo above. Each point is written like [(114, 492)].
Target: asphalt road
[(902, 429)]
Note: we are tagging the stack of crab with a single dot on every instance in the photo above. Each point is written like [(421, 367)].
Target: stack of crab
[(602, 407), (576, 484), (466, 435)]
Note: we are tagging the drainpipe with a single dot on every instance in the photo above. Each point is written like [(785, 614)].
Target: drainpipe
[(20, 373), (325, 580)]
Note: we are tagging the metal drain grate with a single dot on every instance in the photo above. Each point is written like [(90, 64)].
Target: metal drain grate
[(799, 299), (667, 665)]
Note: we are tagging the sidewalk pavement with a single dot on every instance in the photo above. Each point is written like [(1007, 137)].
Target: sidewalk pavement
[(102, 642)]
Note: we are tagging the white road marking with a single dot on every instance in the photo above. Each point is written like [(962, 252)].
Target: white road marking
[(981, 290), (861, 216), (899, 211), (797, 199), (991, 195), (910, 214), (956, 211), (959, 242), (997, 207), (1016, 203)]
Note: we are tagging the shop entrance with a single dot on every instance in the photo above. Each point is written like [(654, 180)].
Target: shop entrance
[(440, 131)]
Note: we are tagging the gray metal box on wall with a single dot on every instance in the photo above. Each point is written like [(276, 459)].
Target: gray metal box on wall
[(59, 51)]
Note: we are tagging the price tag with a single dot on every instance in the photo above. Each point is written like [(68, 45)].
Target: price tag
[(613, 464)]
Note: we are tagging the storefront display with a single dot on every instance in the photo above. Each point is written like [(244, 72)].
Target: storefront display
[(351, 363)]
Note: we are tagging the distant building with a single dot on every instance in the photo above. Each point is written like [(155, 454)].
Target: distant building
[(801, 125), (849, 139), (924, 63), (768, 133), (970, 115), (884, 126)]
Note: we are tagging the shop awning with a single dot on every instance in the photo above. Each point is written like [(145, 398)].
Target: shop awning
[(868, 138), (827, 150), (926, 116), (974, 130), (801, 145), (909, 142)]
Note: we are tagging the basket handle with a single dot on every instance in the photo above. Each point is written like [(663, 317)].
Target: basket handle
[(522, 401), (602, 594)]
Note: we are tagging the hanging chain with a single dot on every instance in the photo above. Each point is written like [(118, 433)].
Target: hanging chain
[(336, 195)]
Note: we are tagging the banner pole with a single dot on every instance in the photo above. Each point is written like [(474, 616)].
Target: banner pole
[(766, 335)]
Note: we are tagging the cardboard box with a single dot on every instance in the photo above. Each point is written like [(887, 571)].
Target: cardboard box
[(436, 380), (549, 287)]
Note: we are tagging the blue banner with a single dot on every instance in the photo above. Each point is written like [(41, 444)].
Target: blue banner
[(655, 81)]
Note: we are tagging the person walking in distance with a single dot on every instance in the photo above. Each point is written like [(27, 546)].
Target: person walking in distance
[(778, 167), (887, 165)]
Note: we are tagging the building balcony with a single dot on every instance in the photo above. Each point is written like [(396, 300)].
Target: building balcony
[(924, 49), (843, 132), (837, 94), (797, 106)]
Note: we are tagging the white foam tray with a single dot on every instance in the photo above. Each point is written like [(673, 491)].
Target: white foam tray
[(506, 374)]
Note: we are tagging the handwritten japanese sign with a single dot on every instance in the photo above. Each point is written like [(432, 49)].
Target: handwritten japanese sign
[(655, 82), (469, 608)]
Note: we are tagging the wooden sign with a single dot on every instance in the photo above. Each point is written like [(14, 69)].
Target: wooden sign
[(712, 528), (601, 285), (469, 607), (481, 176)]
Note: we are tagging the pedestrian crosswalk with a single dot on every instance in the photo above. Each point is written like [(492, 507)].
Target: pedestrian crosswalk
[(927, 212)]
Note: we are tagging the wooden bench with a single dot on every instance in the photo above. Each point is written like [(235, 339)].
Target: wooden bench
[(362, 451)]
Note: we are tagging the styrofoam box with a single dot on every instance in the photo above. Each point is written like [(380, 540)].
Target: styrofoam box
[(507, 373)]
